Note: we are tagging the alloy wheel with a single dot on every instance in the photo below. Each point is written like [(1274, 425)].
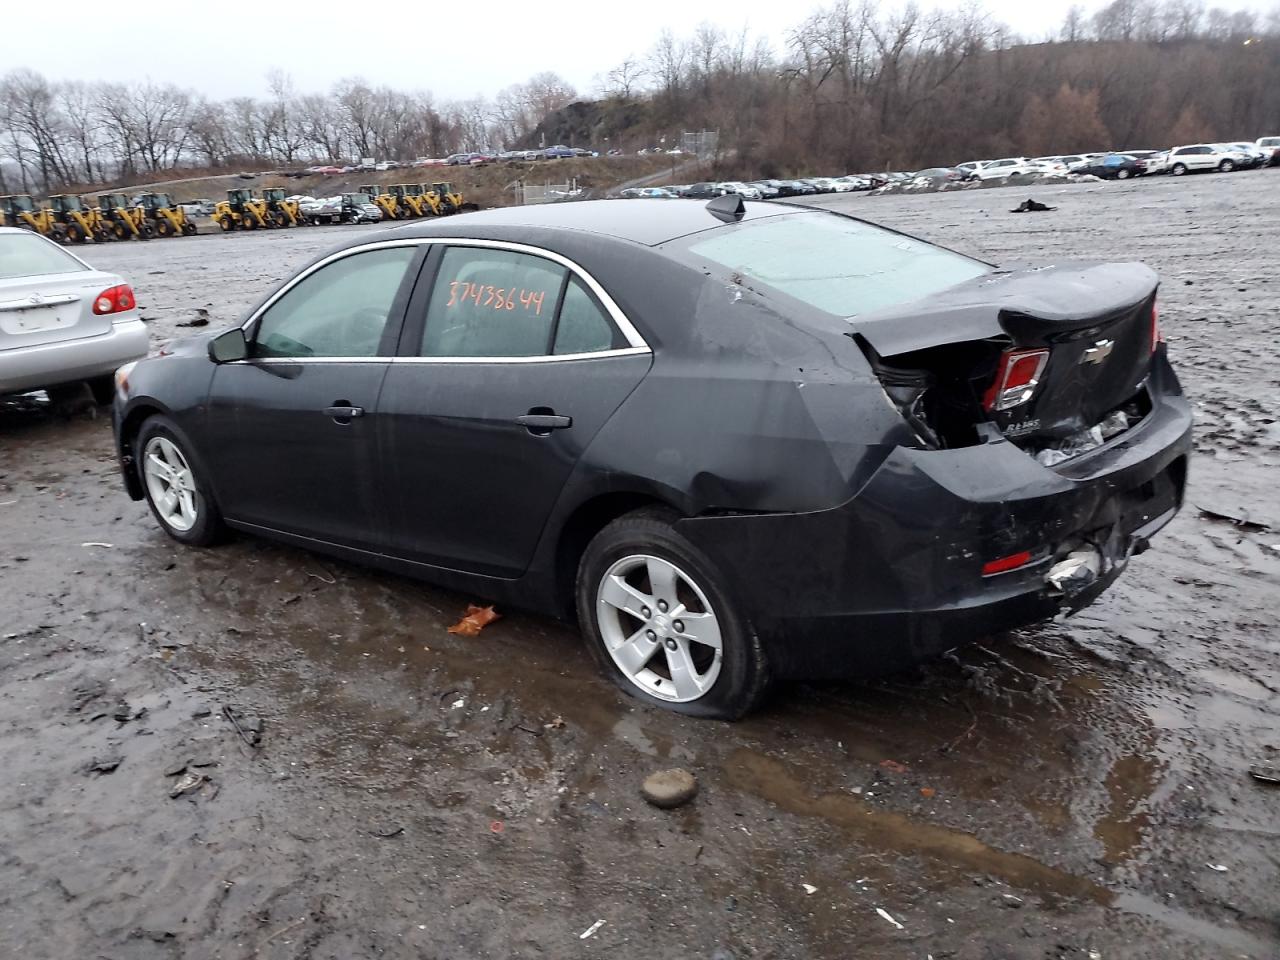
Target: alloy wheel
[(170, 484), (659, 628)]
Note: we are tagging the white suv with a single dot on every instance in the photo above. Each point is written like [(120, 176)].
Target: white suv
[(1008, 167), (1202, 156)]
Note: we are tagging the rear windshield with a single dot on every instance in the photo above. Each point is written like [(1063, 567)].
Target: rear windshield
[(842, 266), (27, 255)]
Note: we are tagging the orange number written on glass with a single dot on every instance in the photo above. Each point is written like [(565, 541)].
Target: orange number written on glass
[(496, 298)]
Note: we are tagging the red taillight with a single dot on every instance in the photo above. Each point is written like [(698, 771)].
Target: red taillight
[(1016, 378), (1005, 564), (1156, 338), (115, 299)]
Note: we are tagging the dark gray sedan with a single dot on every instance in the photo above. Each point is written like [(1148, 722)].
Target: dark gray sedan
[(734, 440)]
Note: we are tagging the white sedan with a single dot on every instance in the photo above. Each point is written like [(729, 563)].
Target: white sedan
[(61, 321)]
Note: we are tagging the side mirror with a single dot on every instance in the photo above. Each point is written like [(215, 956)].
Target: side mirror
[(229, 346)]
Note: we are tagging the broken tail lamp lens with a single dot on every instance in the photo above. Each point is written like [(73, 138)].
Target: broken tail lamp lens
[(117, 299), (1012, 562), (1016, 379)]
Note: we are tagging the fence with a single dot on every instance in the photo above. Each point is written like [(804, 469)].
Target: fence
[(546, 192)]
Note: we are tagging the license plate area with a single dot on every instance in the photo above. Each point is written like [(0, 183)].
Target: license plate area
[(37, 319)]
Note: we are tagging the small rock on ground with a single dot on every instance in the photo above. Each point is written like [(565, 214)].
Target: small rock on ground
[(669, 788)]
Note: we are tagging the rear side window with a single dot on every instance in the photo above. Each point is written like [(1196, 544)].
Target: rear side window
[(28, 255), (500, 303), (582, 326), (340, 310), (842, 266)]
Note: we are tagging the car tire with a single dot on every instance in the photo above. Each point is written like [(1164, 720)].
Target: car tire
[(1178, 169), (193, 520), (1123, 174), (637, 650), (1226, 166)]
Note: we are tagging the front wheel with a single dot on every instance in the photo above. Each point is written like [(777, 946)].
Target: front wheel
[(1123, 174), (1226, 166), (1178, 169), (179, 498), (660, 620)]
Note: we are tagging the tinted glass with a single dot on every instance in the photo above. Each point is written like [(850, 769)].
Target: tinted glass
[(27, 255), (491, 303), (842, 266), (341, 310), (583, 325)]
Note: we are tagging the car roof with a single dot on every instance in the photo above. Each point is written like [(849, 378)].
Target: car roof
[(645, 221)]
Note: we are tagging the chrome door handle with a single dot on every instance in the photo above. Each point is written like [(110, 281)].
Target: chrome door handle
[(344, 413), (541, 424)]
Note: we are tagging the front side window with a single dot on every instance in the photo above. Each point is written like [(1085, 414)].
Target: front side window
[(340, 310), (840, 265)]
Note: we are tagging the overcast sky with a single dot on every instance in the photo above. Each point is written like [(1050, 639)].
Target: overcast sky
[(483, 47)]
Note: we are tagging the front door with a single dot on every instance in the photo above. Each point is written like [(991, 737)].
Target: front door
[(294, 424), (508, 367)]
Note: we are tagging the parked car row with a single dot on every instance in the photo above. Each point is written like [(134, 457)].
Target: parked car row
[(760, 189)]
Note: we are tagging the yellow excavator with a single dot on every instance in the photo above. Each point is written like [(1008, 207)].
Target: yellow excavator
[(167, 219), (242, 209), (384, 201), (79, 223), (124, 222), (283, 212), (20, 211)]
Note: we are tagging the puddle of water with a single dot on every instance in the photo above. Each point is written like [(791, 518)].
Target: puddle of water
[(771, 780), (1130, 783)]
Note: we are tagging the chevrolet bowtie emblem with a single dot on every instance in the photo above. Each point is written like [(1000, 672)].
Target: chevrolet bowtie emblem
[(1098, 352)]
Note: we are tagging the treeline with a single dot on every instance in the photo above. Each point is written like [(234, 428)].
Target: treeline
[(55, 133), (854, 88), (850, 87)]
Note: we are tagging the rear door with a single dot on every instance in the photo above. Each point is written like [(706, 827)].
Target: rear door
[(509, 364), (295, 423)]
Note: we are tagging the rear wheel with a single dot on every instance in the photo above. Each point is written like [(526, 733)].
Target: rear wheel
[(661, 622), (147, 231), (1123, 174), (178, 496)]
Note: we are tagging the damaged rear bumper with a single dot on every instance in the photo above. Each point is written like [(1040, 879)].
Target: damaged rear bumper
[(895, 574)]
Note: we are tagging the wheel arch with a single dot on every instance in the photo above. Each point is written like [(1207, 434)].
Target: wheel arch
[(587, 519)]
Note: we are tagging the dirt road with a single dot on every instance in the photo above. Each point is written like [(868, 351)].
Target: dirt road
[(1077, 790)]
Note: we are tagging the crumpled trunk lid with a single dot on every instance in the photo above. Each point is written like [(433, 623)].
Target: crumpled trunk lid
[(1095, 319)]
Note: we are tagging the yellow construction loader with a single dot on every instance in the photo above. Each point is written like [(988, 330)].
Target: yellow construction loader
[(124, 222), (451, 200), (242, 209), (79, 222), (167, 219), (20, 211), (384, 201), (409, 198), (283, 212)]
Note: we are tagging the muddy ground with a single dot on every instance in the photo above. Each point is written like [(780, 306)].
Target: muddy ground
[(1080, 789)]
